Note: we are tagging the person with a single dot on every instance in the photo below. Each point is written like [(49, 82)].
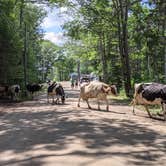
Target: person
[(72, 83), (76, 83)]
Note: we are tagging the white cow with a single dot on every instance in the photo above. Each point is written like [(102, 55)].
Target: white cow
[(96, 89)]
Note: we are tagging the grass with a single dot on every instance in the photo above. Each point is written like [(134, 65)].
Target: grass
[(121, 99), (153, 109)]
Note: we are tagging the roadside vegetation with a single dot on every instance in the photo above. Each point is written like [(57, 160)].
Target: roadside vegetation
[(122, 41)]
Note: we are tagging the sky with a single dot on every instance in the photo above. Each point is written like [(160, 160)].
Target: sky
[(52, 25)]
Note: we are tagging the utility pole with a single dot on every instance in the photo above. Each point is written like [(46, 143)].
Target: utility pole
[(25, 55), (78, 69)]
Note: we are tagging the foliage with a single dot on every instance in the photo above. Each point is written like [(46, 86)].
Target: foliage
[(20, 31), (123, 41), (124, 48)]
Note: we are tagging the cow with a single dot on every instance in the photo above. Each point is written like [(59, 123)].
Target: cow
[(150, 94), (4, 90), (84, 79), (96, 89), (56, 90), (14, 92), (32, 88)]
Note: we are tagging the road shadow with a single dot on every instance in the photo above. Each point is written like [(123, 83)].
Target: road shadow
[(104, 110), (56, 130)]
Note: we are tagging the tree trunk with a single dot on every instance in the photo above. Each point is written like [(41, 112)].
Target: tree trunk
[(103, 57), (163, 15), (21, 12), (122, 17), (25, 55), (78, 70)]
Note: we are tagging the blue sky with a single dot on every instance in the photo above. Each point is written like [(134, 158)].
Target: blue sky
[(52, 25)]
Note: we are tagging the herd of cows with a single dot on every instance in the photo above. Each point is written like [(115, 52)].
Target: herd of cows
[(145, 93)]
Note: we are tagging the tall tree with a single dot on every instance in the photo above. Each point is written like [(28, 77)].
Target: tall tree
[(122, 7)]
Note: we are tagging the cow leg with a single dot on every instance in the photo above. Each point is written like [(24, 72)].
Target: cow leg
[(78, 104), (133, 103), (88, 103), (107, 103), (17, 96), (146, 107), (133, 109), (98, 102), (32, 95), (57, 100), (164, 110)]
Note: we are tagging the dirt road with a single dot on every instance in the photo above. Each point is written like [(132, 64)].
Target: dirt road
[(35, 133)]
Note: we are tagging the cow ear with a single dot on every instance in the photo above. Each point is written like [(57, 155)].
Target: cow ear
[(105, 89), (113, 89)]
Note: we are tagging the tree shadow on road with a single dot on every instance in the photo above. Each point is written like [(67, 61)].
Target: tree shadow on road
[(23, 131)]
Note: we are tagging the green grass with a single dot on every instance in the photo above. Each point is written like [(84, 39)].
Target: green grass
[(121, 99), (153, 109)]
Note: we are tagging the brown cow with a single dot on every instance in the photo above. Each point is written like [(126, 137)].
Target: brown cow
[(96, 89)]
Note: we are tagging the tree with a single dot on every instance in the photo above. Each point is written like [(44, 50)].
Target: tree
[(20, 37)]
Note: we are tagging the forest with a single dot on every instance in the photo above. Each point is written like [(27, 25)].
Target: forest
[(123, 41)]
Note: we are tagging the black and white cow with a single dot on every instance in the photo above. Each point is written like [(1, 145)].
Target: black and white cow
[(150, 94), (14, 92), (32, 88), (56, 90)]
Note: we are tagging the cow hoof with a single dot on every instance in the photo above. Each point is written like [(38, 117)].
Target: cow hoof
[(151, 117), (165, 118)]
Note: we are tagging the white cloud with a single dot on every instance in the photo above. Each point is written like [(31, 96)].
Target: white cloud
[(63, 9), (52, 24), (51, 21), (54, 17), (56, 38)]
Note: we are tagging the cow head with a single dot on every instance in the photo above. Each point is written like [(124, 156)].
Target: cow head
[(110, 90), (113, 90), (17, 89)]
